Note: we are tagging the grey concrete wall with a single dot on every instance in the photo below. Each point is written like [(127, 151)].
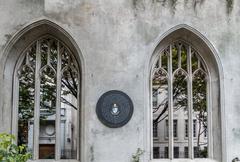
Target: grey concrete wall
[(117, 39)]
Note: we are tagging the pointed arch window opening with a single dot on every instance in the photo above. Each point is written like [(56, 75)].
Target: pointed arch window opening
[(46, 99), (180, 85)]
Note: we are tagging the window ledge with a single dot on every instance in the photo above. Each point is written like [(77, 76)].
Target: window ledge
[(183, 160), (52, 160)]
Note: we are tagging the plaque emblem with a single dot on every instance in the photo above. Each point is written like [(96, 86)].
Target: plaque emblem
[(114, 108)]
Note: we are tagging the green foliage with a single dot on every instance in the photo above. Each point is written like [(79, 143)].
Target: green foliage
[(173, 3), (203, 153), (180, 86), (10, 152), (235, 159), (136, 156), (229, 6)]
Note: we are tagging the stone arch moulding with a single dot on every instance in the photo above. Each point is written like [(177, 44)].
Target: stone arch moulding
[(11, 53), (210, 56)]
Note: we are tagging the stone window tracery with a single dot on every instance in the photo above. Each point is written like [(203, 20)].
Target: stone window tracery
[(180, 78), (46, 96)]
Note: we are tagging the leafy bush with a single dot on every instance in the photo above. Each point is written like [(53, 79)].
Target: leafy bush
[(136, 156), (10, 152)]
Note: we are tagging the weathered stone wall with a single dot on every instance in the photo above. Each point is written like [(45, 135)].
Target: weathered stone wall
[(117, 39)]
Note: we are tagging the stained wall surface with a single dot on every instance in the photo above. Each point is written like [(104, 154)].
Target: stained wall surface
[(117, 40)]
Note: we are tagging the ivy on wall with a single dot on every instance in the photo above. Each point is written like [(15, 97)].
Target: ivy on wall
[(173, 4), (229, 6), (195, 2)]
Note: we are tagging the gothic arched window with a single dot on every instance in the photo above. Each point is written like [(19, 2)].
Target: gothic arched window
[(46, 96), (180, 103)]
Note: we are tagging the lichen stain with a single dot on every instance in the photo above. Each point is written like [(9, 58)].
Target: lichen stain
[(18, 27), (7, 36), (33, 6), (138, 5), (31, 2), (229, 6), (236, 132), (75, 15), (225, 41), (92, 154), (141, 5), (147, 31)]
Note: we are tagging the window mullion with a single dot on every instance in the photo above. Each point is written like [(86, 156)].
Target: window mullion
[(179, 56), (37, 104), (160, 61), (78, 121), (190, 104), (151, 125), (209, 122), (58, 107), (15, 107), (170, 101)]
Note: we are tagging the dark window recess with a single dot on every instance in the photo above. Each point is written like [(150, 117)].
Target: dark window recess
[(186, 128), (194, 128), (175, 128), (155, 129), (176, 152), (166, 152), (196, 152), (185, 152), (155, 152)]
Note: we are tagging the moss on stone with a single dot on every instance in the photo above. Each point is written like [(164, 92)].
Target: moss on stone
[(230, 4)]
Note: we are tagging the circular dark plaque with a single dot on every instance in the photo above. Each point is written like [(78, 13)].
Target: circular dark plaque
[(114, 109)]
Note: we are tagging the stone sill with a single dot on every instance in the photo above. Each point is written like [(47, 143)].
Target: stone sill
[(52, 160), (183, 160)]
